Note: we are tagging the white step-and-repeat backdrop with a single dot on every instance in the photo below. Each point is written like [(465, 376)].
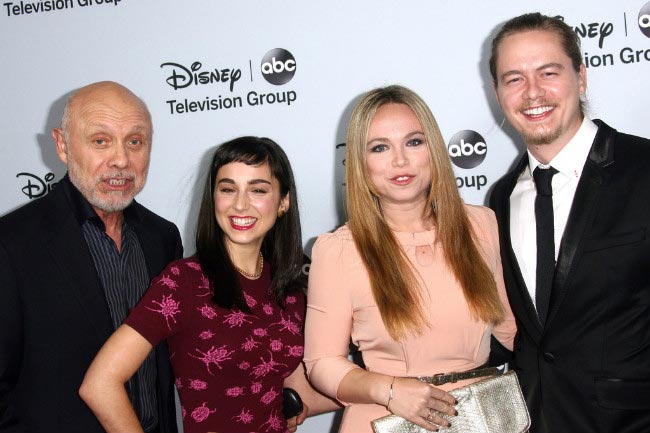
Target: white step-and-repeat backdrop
[(212, 70)]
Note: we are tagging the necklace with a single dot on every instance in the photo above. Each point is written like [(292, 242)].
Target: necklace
[(258, 270)]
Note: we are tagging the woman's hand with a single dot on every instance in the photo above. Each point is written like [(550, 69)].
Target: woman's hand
[(294, 422), (421, 403)]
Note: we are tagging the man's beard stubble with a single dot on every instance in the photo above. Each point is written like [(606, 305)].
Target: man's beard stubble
[(112, 201)]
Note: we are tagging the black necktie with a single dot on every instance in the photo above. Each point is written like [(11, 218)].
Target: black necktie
[(545, 240)]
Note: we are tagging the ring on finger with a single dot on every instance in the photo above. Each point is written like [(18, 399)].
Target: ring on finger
[(429, 417)]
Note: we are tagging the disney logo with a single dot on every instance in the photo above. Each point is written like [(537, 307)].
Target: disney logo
[(182, 76), (592, 30), (37, 187), (595, 30)]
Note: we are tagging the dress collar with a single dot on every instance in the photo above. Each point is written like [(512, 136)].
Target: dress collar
[(416, 239)]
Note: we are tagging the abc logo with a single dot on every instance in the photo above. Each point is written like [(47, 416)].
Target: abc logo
[(467, 149), (644, 19), (278, 66)]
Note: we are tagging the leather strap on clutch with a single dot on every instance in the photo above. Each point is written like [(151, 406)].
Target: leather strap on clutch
[(442, 378)]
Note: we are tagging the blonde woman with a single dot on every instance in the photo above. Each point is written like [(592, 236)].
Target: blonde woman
[(414, 277)]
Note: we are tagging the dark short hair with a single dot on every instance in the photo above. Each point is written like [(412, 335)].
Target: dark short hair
[(536, 21), (282, 245)]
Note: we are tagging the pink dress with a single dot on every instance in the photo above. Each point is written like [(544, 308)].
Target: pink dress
[(340, 305), (229, 365)]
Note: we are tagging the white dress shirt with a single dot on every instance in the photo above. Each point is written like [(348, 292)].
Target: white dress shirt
[(569, 163)]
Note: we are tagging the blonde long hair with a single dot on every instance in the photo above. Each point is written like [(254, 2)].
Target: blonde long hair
[(392, 277)]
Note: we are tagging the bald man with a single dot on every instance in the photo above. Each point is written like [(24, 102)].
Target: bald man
[(74, 262)]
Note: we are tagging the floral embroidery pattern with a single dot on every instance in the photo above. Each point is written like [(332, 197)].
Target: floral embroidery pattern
[(288, 325), (198, 384), (202, 413), (169, 282), (273, 423), (213, 356), (236, 318), (246, 355), (168, 308), (207, 311), (265, 367), (244, 416)]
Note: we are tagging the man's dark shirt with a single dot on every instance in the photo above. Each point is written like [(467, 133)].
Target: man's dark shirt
[(124, 278)]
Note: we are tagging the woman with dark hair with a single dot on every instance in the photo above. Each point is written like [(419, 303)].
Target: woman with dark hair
[(232, 314), (414, 277)]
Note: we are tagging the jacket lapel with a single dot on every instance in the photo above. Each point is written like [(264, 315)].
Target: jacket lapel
[(582, 213), (530, 317), (155, 253), (70, 255), (151, 249)]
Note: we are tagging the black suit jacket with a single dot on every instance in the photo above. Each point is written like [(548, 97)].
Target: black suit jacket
[(54, 316), (589, 367)]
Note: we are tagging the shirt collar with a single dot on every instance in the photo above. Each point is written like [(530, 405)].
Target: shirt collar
[(571, 159), (83, 210)]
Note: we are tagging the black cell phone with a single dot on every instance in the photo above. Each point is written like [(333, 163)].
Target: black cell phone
[(292, 403)]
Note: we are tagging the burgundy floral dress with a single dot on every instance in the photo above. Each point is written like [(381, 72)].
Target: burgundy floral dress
[(229, 365)]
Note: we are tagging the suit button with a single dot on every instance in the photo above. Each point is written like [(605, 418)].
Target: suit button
[(549, 357)]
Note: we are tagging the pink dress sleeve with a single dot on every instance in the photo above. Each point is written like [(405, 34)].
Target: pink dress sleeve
[(329, 316), (487, 227)]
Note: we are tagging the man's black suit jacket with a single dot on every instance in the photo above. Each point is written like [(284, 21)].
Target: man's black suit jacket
[(589, 367), (54, 316)]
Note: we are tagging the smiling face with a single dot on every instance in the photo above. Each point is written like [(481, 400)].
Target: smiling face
[(539, 90), (106, 145), (247, 199), (397, 157)]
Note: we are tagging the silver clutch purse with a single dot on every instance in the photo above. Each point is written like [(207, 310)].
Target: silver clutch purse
[(492, 405)]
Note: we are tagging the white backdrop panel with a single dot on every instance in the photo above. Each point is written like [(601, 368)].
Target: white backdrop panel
[(340, 48)]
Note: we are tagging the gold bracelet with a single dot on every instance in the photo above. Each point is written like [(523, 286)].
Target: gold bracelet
[(390, 393)]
